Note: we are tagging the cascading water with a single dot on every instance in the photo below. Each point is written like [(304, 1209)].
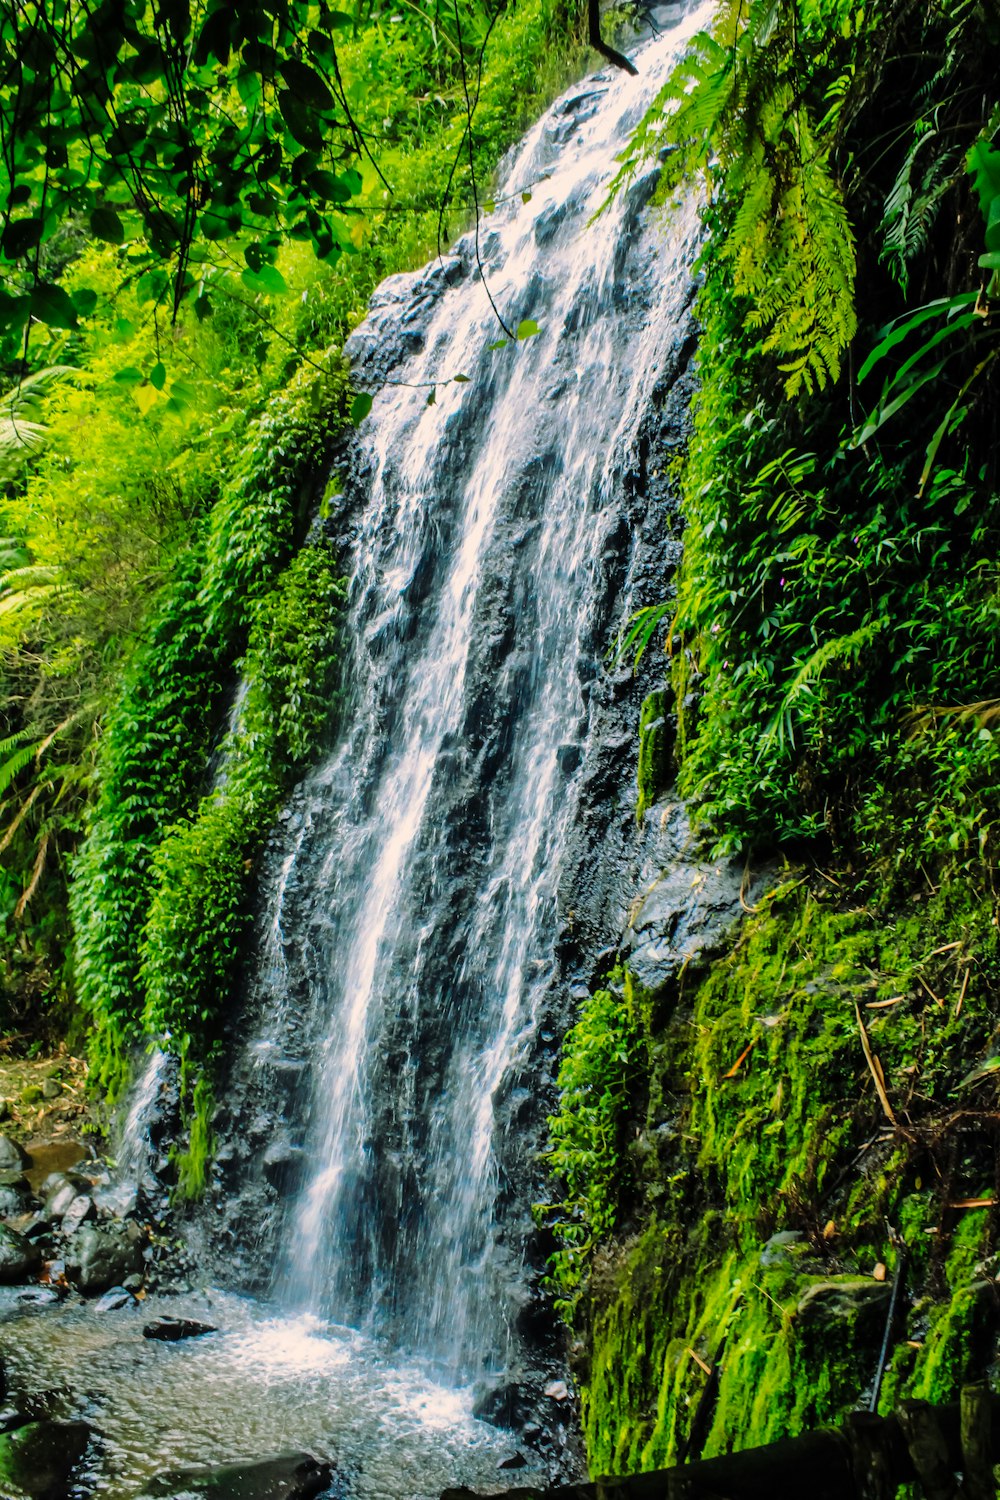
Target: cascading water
[(410, 945), (446, 886)]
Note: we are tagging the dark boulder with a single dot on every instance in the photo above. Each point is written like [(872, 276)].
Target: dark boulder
[(169, 1330), (13, 1158), (13, 1202), (18, 1256), (98, 1259), (288, 1476), (38, 1459)]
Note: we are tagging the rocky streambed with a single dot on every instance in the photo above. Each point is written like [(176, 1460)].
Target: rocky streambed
[(124, 1377)]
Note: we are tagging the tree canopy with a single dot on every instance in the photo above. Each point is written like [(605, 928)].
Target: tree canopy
[(176, 129)]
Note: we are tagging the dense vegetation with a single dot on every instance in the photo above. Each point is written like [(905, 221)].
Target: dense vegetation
[(200, 203), (834, 676)]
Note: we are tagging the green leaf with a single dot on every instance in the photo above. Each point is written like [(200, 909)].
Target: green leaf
[(13, 309), (527, 328), (895, 332), (497, 344), (158, 376), (268, 279), (106, 225), (85, 300), (129, 376), (20, 236), (460, 379), (360, 407), (306, 84), (51, 305), (432, 398)]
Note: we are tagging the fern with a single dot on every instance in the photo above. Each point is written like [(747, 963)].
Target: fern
[(732, 110), (21, 430), (928, 170)]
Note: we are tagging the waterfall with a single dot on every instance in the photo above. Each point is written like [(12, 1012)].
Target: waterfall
[(425, 889)]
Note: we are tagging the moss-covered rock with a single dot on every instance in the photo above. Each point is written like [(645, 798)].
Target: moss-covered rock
[(765, 1202)]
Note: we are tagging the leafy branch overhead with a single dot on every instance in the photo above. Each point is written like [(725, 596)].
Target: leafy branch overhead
[(169, 128)]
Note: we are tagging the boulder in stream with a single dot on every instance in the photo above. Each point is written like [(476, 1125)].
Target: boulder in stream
[(99, 1258), (287, 1476), (38, 1459), (13, 1158), (169, 1330), (18, 1256)]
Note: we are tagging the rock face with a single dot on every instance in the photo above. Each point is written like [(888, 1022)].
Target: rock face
[(288, 1476), (544, 729), (687, 906), (38, 1459)]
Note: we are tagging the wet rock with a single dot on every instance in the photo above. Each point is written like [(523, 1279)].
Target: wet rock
[(34, 1226), (13, 1158), (285, 1165), (59, 1190), (99, 1258), (38, 1459), (114, 1300), (12, 1202), (843, 1299), (39, 1296), (81, 1211), (690, 906), (14, 1177), (557, 1390), (18, 1256), (172, 1329), (782, 1248), (288, 1476), (516, 1461), (51, 1088)]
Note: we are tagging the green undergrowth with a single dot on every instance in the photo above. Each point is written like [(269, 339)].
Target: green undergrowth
[(742, 1106), (834, 669), (163, 548)]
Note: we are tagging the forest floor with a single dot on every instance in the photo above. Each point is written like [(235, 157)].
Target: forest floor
[(44, 1105)]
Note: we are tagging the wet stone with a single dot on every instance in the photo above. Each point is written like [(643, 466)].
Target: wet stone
[(13, 1158), (169, 1330), (288, 1476), (80, 1211), (40, 1296), (38, 1459), (18, 1256), (12, 1202), (101, 1258), (843, 1299), (114, 1300)]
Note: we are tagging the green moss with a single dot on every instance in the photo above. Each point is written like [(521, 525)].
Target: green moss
[(193, 1164), (656, 743), (751, 1108)]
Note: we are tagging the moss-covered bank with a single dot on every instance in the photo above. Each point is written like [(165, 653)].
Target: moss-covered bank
[(747, 1161), (768, 1197)]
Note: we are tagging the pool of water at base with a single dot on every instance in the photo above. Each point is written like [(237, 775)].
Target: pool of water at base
[(261, 1384)]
